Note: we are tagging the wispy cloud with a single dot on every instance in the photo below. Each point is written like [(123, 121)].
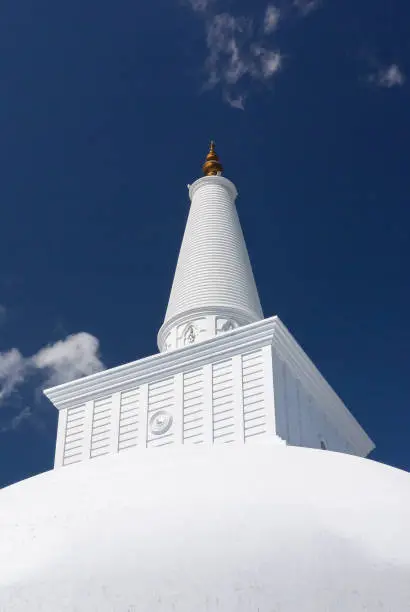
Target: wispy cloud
[(235, 52), (225, 62), (389, 76), (12, 372), (271, 21), (200, 5), (235, 102), (306, 6), (269, 61), (76, 356), (17, 420), (240, 48)]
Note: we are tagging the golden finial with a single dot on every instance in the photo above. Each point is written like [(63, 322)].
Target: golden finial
[(212, 165)]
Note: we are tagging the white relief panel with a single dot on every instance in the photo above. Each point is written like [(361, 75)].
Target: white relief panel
[(129, 419), (254, 407), (223, 415), (101, 427), (193, 406), (74, 435)]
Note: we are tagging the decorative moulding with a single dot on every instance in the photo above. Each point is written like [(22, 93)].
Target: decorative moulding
[(162, 365), (213, 180)]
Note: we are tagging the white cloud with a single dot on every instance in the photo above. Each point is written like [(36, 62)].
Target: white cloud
[(239, 48), (16, 421), (225, 62), (238, 102), (235, 53), (12, 372), (272, 16), (76, 356), (69, 359), (200, 6), (390, 76), (306, 6), (270, 61)]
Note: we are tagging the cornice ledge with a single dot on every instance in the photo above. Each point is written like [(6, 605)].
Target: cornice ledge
[(162, 365), (288, 348)]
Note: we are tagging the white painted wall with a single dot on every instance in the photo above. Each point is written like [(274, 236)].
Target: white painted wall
[(301, 415), (248, 385), (221, 402)]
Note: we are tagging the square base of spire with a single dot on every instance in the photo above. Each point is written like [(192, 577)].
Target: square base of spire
[(250, 385)]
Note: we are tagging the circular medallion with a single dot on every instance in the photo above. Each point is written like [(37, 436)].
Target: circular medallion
[(160, 422)]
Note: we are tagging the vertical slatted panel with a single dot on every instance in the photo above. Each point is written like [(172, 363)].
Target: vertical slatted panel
[(254, 394), (101, 427), (193, 407), (129, 419), (223, 402), (74, 435), (161, 396)]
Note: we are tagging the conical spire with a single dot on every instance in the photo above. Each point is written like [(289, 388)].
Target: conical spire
[(214, 290), (212, 165)]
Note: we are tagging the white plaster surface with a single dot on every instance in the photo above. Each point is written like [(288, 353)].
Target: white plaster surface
[(259, 528), (244, 385), (302, 418)]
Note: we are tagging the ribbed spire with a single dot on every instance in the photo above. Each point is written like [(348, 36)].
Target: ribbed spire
[(214, 290)]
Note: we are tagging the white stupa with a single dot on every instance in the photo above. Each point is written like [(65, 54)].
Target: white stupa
[(260, 498)]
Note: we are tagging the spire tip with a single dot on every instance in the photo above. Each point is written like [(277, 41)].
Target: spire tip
[(212, 165)]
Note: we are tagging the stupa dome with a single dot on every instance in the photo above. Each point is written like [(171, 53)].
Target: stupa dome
[(254, 528)]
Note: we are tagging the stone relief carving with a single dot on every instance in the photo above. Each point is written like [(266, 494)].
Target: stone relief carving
[(190, 335), (160, 422), (225, 325), (168, 343), (229, 325)]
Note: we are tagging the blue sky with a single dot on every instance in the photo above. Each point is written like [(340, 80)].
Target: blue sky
[(105, 116)]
